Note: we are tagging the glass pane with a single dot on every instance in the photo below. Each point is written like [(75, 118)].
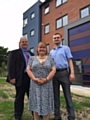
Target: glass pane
[(25, 35), (64, 1), (59, 23), (47, 29), (46, 10), (78, 71), (65, 20), (48, 48), (32, 32), (85, 12), (63, 41), (32, 15), (25, 22), (32, 50), (58, 2)]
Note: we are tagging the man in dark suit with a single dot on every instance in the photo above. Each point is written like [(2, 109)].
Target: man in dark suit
[(17, 63)]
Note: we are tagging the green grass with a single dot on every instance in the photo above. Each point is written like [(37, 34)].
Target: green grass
[(3, 94), (7, 106), (6, 110), (2, 80), (12, 95), (86, 103), (78, 105)]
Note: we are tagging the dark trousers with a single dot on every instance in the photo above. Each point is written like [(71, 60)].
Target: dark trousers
[(62, 78), (20, 93)]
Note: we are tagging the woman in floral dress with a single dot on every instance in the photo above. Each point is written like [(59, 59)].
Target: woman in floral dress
[(41, 69)]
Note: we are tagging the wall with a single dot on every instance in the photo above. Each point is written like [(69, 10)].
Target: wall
[(77, 36), (33, 24), (71, 7)]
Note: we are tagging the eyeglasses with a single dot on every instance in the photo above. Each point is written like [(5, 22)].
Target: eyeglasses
[(56, 37)]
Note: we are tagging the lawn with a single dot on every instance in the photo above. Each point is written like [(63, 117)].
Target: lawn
[(7, 95)]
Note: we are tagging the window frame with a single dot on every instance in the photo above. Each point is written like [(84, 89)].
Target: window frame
[(31, 32), (33, 13), (62, 21), (25, 24), (45, 9), (32, 49), (49, 29), (60, 3), (25, 35), (83, 9), (48, 48)]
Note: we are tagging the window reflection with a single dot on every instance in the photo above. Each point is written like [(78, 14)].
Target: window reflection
[(78, 71)]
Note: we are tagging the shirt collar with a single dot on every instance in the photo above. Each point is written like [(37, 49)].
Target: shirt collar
[(24, 50), (60, 46)]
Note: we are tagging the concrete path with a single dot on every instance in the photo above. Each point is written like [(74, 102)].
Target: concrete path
[(85, 91)]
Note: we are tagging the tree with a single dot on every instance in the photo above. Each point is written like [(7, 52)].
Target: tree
[(4, 52)]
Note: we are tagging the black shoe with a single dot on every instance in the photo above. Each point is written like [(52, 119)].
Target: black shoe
[(41, 116), (56, 119), (17, 119)]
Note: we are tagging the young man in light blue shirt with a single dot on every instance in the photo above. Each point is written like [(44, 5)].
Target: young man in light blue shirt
[(63, 59)]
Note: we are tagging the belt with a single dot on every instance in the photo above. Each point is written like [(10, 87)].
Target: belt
[(62, 69)]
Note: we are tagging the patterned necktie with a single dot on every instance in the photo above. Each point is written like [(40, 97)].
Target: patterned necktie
[(27, 57)]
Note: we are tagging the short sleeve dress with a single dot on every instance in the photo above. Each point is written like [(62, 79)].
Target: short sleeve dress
[(41, 98)]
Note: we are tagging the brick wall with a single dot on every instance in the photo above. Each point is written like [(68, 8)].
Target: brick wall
[(71, 7)]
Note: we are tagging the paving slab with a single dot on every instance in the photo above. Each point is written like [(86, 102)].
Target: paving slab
[(85, 91)]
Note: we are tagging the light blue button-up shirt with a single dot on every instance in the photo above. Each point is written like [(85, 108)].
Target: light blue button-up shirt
[(61, 56)]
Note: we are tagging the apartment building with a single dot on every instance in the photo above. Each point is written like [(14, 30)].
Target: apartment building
[(31, 25), (71, 18)]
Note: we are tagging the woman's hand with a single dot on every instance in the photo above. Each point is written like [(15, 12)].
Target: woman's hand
[(44, 80), (40, 81)]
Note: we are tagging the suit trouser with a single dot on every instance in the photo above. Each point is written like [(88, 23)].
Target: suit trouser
[(62, 78), (20, 93)]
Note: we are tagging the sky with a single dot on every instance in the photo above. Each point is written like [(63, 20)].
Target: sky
[(11, 21)]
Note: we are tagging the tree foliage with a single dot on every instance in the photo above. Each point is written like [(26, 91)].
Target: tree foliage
[(4, 52)]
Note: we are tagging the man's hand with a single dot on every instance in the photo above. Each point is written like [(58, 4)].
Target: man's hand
[(13, 81), (72, 77)]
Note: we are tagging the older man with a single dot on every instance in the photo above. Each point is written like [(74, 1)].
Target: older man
[(17, 75)]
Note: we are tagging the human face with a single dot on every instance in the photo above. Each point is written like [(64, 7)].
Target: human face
[(41, 49), (57, 39), (23, 43)]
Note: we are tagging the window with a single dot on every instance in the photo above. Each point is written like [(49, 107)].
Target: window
[(85, 12), (63, 42), (59, 2), (32, 49), (32, 33), (25, 35), (48, 48), (65, 20), (32, 15), (25, 22), (62, 22), (78, 71), (63, 1), (46, 10), (59, 23), (46, 29)]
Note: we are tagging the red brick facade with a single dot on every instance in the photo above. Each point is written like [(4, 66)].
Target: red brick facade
[(71, 8)]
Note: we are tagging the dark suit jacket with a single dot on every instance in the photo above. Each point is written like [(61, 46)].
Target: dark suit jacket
[(16, 66)]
